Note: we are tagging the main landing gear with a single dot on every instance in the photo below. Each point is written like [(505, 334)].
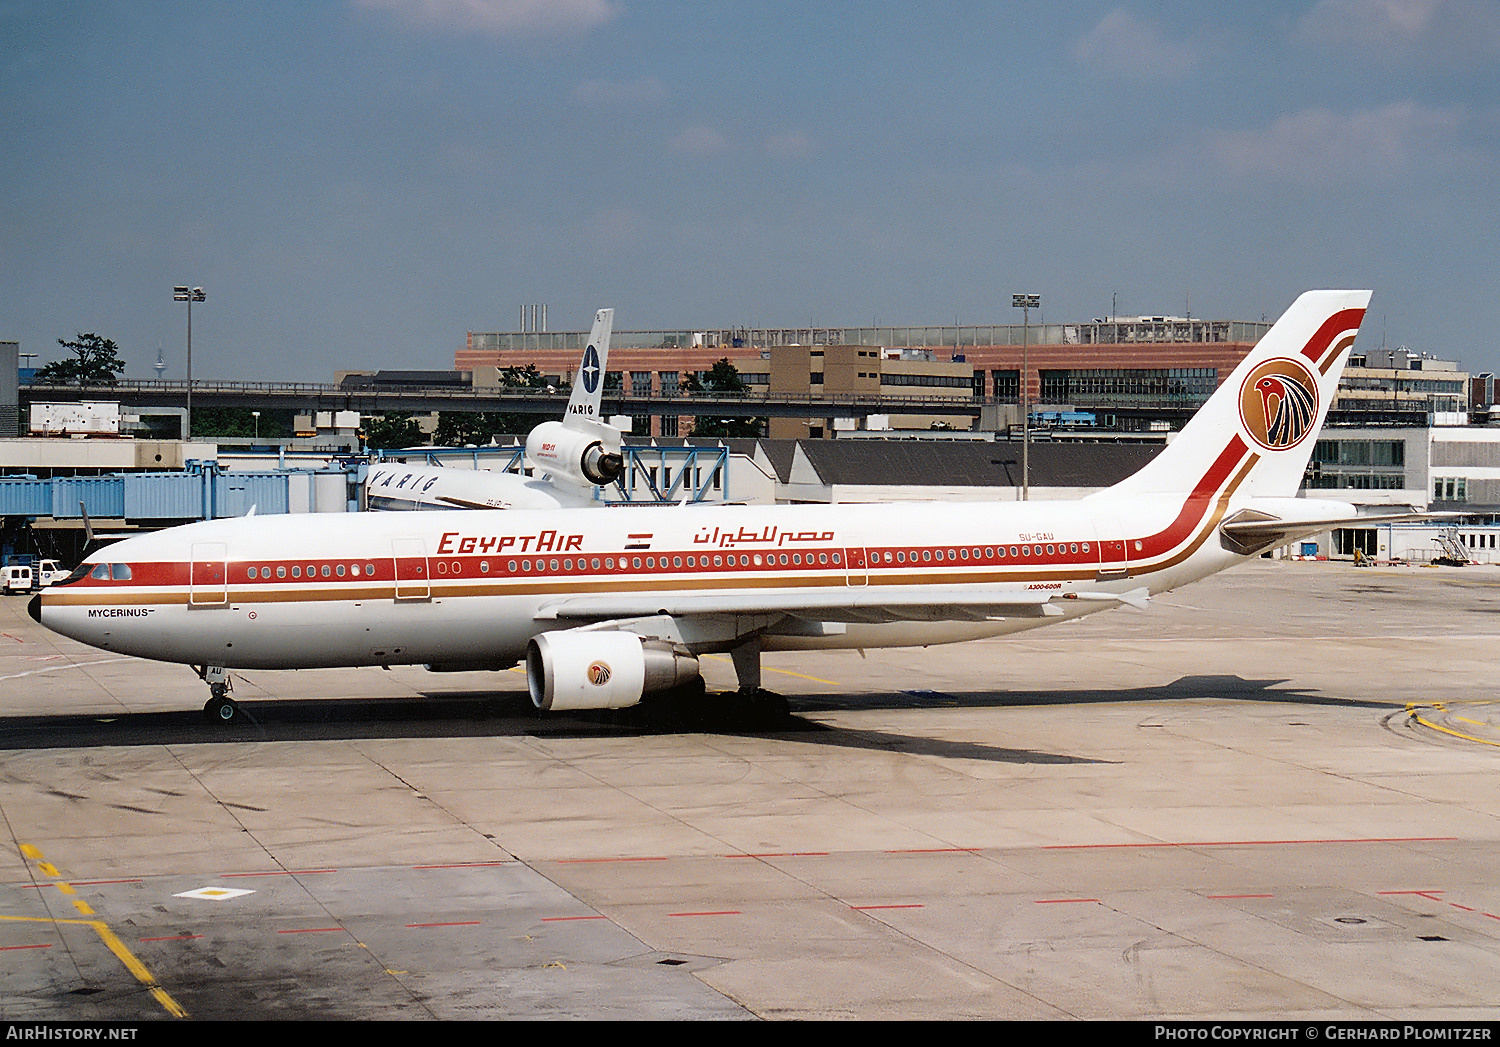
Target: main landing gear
[(220, 707), (691, 708), (750, 708)]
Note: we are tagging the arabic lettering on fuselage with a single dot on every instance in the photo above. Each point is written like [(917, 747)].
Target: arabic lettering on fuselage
[(769, 535)]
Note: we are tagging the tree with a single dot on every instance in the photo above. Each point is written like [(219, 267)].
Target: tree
[(723, 379), (728, 428), (391, 430), (527, 377), (96, 361), (461, 428), (241, 422)]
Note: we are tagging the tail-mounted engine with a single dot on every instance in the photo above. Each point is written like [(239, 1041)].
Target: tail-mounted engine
[(582, 669), (584, 451)]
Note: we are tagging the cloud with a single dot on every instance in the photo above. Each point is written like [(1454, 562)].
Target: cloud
[(498, 17), (699, 140), (790, 145), (642, 91), (1124, 45), (1429, 30), (1318, 145)]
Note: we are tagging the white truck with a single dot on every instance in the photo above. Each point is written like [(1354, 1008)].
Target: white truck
[(26, 578), (17, 578)]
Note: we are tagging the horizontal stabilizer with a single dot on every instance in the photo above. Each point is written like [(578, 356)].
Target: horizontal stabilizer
[(1272, 522), (1246, 528)]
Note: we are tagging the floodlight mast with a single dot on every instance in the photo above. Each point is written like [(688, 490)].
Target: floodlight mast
[(188, 295), (1025, 303)]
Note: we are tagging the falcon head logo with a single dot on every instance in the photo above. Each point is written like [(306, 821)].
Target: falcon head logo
[(1279, 403), (598, 674)]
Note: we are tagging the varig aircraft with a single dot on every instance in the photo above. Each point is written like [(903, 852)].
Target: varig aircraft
[(610, 609), (579, 453)]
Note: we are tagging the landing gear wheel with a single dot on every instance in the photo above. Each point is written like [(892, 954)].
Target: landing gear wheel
[(221, 709), (758, 710)]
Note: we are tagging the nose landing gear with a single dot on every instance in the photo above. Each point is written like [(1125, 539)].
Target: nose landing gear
[(220, 707)]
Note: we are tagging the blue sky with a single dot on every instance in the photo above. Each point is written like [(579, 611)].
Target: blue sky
[(357, 184)]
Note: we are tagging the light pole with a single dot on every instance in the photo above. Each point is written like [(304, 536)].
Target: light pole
[(189, 295), (1025, 303), (256, 416)]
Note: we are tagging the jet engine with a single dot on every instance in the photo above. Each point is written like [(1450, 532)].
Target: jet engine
[(586, 452), (602, 670)]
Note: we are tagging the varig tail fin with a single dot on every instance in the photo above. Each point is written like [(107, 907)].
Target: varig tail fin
[(588, 383), (1255, 435)]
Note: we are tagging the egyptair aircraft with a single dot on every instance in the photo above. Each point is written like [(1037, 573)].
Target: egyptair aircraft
[(580, 454), (610, 609)]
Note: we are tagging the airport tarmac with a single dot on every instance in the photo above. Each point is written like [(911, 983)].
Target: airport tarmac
[(1273, 795)]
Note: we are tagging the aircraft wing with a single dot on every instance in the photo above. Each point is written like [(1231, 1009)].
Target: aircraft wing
[(922, 603)]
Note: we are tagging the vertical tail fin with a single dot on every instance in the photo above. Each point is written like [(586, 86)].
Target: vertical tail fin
[(588, 383), (1258, 429)]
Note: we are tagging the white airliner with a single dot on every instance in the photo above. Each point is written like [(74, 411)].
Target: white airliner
[(608, 609), (579, 454)]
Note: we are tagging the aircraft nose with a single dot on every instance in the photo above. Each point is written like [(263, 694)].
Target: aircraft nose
[(34, 608)]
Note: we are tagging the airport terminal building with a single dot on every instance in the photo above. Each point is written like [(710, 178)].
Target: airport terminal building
[(1137, 370)]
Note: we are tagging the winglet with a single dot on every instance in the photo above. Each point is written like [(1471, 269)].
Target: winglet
[(588, 382)]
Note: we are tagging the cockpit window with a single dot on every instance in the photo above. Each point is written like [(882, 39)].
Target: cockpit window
[(100, 572), (120, 572), (103, 572), (83, 570)]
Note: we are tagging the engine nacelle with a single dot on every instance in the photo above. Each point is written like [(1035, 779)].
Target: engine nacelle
[(584, 451), (602, 670)]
